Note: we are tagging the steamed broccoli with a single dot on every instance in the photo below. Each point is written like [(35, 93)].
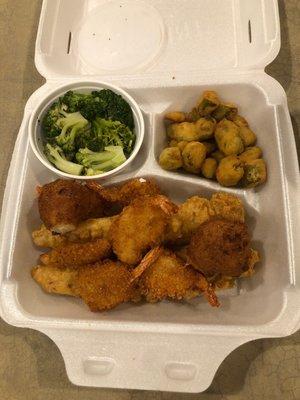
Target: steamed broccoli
[(56, 156), (72, 100), (71, 125), (49, 123), (115, 107), (113, 133), (97, 163)]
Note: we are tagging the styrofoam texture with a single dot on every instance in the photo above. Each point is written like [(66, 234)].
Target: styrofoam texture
[(35, 132), (164, 346)]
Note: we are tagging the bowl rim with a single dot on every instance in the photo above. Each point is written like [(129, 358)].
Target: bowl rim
[(52, 95)]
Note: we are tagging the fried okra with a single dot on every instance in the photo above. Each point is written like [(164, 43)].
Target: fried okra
[(193, 156), (250, 154), (209, 168), (171, 159), (255, 173), (228, 138), (230, 171)]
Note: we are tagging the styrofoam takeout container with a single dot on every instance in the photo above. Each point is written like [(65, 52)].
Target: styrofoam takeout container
[(164, 53), (35, 131)]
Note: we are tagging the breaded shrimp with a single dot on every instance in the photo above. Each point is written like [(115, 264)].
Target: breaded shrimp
[(63, 204), (73, 255), (102, 286), (170, 278), (123, 195), (141, 226)]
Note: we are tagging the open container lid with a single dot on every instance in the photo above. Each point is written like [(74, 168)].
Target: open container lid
[(154, 39)]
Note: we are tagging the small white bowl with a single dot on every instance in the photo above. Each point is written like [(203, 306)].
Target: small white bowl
[(35, 132)]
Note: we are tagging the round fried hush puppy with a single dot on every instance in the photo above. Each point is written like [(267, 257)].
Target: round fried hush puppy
[(171, 159), (175, 116), (209, 168), (220, 247), (230, 171), (65, 203), (218, 155), (102, 286), (193, 156), (255, 173), (247, 135), (250, 154), (228, 138)]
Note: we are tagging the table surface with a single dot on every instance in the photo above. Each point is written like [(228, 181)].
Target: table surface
[(31, 366)]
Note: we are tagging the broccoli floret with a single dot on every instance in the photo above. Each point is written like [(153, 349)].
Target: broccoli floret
[(56, 156), (71, 126), (113, 133), (98, 163), (49, 123), (115, 107), (71, 100)]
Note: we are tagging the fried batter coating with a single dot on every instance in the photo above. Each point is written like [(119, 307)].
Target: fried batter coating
[(54, 279), (73, 255), (230, 171), (220, 247), (175, 116), (209, 168), (103, 286), (43, 237), (193, 156), (91, 229), (65, 203), (128, 191), (141, 226), (228, 206), (88, 230), (191, 214), (170, 278), (170, 158)]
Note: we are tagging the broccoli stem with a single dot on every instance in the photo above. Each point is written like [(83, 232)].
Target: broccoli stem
[(56, 157)]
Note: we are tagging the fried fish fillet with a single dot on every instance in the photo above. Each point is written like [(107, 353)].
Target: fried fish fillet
[(102, 286), (91, 229), (73, 255), (170, 278), (63, 204), (141, 226), (55, 279)]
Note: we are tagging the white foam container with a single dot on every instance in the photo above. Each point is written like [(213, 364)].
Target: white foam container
[(164, 53)]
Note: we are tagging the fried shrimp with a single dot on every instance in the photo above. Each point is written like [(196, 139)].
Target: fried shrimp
[(220, 247), (103, 286), (141, 226), (169, 278), (73, 255), (63, 204), (43, 237), (124, 194)]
